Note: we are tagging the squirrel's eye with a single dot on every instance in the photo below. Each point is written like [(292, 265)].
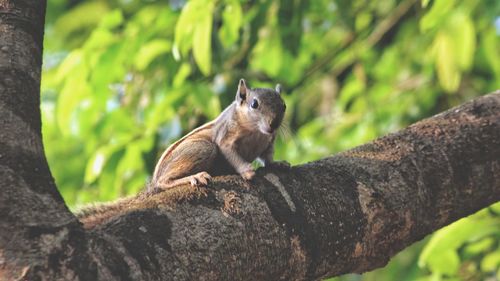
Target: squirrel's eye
[(254, 104)]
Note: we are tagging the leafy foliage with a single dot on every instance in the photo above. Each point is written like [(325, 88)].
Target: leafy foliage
[(465, 250), (123, 79)]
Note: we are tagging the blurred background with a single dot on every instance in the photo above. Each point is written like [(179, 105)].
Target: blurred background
[(122, 79)]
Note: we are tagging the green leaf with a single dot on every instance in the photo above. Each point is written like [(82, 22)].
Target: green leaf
[(184, 29), (425, 3), (108, 67), (363, 20), (495, 207), (491, 262), (463, 34), (99, 39), (129, 166), (479, 247), (232, 17), (162, 112), (95, 165), (193, 12), (181, 75), (351, 90), (438, 12), (447, 262), (102, 165), (447, 70), (268, 53), (108, 176), (112, 19), (491, 46), (85, 15), (150, 51), (434, 277), (75, 90), (72, 61), (440, 254), (202, 41), (194, 30)]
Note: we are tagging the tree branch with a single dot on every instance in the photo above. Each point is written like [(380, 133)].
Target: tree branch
[(347, 213)]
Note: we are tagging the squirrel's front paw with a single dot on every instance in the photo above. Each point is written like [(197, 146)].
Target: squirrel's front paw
[(248, 174)]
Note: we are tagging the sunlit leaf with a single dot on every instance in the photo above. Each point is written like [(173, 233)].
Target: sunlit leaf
[(440, 254), (148, 14), (463, 35), (202, 40), (363, 20), (70, 98), (73, 60), (268, 53), (232, 17), (491, 261), (438, 12), (351, 90), (98, 39), (112, 19), (96, 164), (84, 15), (107, 189), (182, 74), (495, 207), (129, 167), (150, 52), (490, 47), (447, 69), (447, 262), (479, 247), (193, 12), (108, 68), (162, 112), (185, 28)]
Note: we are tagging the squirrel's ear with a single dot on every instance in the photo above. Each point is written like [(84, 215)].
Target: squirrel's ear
[(278, 89), (241, 95)]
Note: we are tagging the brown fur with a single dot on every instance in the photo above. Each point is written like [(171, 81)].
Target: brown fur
[(228, 144)]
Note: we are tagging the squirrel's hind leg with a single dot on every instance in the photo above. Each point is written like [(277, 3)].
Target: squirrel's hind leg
[(199, 179), (189, 163)]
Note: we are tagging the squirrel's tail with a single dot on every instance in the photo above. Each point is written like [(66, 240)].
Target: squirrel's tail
[(97, 213)]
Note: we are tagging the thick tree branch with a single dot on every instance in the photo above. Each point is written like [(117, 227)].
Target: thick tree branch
[(346, 213)]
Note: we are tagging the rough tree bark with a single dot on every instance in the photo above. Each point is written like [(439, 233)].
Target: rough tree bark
[(346, 213)]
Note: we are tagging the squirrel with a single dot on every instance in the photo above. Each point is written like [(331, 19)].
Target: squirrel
[(243, 132)]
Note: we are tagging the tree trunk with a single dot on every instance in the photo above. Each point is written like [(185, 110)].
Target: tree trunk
[(36, 228), (346, 213)]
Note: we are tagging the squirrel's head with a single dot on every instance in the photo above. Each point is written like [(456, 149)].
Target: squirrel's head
[(260, 107)]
